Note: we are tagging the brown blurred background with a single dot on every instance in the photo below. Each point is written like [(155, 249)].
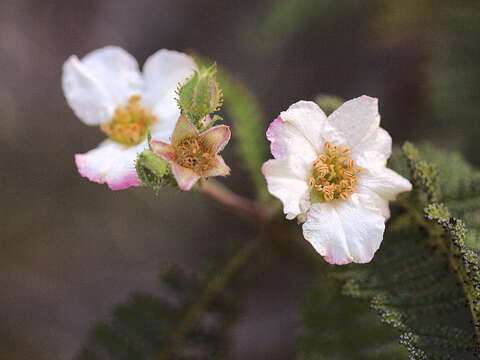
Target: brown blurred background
[(71, 249)]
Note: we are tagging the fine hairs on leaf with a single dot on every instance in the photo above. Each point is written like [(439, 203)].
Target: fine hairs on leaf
[(424, 281), (331, 322)]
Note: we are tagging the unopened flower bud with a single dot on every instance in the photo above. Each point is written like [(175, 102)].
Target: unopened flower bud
[(151, 169), (200, 95)]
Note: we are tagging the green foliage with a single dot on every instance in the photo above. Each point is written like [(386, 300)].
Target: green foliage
[(143, 326), (425, 279), (463, 259), (331, 323), (459, 186), (412, 289), (248, 129), (424, 174)]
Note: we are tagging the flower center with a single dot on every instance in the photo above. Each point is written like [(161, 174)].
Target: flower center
[(130, 123), (193, 154), (334, 174)]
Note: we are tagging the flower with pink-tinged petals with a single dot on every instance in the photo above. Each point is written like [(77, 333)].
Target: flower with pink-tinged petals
[(194, 155), (331, 173), (106, 89)]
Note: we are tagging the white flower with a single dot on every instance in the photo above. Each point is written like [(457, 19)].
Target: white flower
[(331, 172), (106, 89)]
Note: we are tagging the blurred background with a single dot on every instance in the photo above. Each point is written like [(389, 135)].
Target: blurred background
[(71, 249)]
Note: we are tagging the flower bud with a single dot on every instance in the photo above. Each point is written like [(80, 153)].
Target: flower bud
[(200, 95), (151, 169)]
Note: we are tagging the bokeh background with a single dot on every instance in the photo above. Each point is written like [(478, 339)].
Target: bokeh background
[(70, 249)]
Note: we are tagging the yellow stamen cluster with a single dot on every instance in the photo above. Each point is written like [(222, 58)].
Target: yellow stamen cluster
[(130, 123), (193, 154), (334, 174)]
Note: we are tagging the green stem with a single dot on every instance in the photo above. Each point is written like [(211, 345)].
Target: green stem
[(214, 286), (458, 270), (453, 262)]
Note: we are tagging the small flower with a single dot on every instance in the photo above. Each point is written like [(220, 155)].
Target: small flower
[(193, 155), (331, 173), (106, 89)]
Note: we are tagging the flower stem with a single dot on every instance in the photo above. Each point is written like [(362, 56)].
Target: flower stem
[(213, 287), (246, 207)]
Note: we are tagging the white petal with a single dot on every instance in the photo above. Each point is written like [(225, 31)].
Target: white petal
[(90, 102), (344, 231), (373, 201), (374, 150), (297, 132), (110, 163), (288, 184), (162, 72), (384, 181), (162, 130), (103, 80), (355, 120), (167, 114)]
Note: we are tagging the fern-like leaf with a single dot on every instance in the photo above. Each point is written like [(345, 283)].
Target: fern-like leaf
[(142, 327), (331, 326)]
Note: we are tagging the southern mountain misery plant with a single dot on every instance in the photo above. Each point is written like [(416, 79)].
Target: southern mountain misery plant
[(417, 257)]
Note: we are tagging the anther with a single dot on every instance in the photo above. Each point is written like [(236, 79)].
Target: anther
[(334, 174), (324, 158)]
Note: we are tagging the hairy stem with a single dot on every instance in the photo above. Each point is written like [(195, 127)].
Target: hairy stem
[(214, 286), (245, 207), (436, 239), (456, 268)]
